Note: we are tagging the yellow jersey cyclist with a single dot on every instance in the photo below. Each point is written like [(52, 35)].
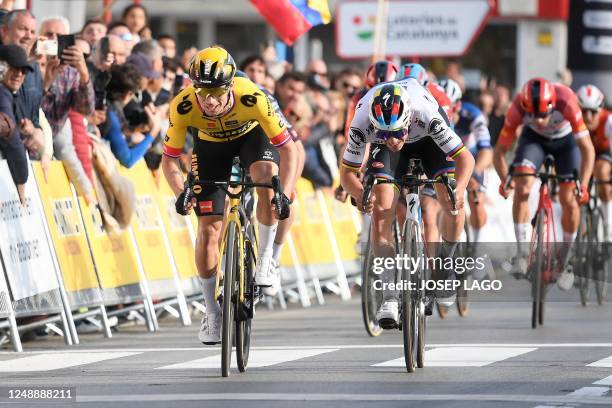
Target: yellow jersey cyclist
[(233, 118)]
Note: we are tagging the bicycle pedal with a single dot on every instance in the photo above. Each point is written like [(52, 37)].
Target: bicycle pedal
[(388, 324)]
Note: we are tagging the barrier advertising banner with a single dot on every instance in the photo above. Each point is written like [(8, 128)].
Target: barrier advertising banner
[(26, 253), (413, 28)]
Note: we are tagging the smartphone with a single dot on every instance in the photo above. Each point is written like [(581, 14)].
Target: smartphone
[(104, 48), (63, 42), (46, 47)]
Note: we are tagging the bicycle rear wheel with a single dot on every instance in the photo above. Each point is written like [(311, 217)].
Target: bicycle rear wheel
[(229, 297), (600, 255), (243, 327), (537, 271), (370, 299), (463, 299), (582, 263), (409, 305)]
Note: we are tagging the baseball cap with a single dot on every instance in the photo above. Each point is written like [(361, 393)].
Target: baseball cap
[(15, 56), (144, 65)]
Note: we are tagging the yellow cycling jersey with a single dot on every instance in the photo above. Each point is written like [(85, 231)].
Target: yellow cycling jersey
[(251, 107)]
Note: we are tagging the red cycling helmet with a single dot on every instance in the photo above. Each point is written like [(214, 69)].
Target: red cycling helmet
[(538, 97), (381, 71)]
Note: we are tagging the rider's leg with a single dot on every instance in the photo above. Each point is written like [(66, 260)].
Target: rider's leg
[(430, 210), (383, 216), (603, 167), (207, 258), (478, 214)]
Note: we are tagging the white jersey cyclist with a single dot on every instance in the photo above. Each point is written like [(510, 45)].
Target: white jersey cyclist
[(426, 122)]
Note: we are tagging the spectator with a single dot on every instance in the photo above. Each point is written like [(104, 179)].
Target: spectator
[(486, 103), (19, 28), (255, 68), (498, 115), (171, 68), (122, 31), (168, 44), (118, 48), (348, 82), (153, 51), (269, 83), (11, 146), (67, 87), (121, 90), (7, 5), (93, 30), (135, 18), (317, 72), (187, 56)]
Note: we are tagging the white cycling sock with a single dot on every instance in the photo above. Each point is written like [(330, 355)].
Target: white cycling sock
[(267, 233), (476, 234), (277, 249), (607, 215), (208, 290), (569, 236), (521, 231), (366, 219)]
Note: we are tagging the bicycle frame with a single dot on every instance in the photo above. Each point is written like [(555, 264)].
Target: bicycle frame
[(545, 203)]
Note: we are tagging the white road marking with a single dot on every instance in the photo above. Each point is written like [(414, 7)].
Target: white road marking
[(56, 361), (606, 362), (605, 381), (257, 358), (555, 399), (589, 392), (463, 356), (346, 347)]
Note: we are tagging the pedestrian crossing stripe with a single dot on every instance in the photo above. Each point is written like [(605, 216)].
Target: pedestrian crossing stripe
[(462, 356), (257, 358), (605, 362), (56, 361)]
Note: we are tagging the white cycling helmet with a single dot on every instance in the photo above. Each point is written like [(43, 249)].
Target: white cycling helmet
[(590, 97), (452, 89), (389, 110)]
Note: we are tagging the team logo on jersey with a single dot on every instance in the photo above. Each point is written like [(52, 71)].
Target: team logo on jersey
[(435, 126), (375, 151), (267, 155), (167, 139), (185, 106), (211, 125), (378, 165), (205, 206), (231, 123), (249, 100), (357, 136)]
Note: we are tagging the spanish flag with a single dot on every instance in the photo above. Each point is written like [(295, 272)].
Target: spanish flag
[(292, 18)]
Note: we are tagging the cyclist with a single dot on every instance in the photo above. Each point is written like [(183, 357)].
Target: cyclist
[(233, 118), (429, 204), (552, 124), (255, 70), (599, 122), (471, 126), (378, 72), (403, 117)]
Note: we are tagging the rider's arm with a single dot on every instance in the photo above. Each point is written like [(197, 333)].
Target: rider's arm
[(173, 147), (352, 158), (484, 157), (573, 114), (507, 136)]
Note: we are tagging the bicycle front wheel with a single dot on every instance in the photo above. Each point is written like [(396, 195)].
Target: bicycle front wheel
[(537, 269), (582, 263), (229, 296), (370, 299), (243, 326), (600, 255), (414, 340)]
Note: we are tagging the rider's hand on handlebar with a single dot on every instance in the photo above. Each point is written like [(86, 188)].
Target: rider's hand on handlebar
[(366, 207), (179, 204), (340, 194), (583, 197), (505, 192)]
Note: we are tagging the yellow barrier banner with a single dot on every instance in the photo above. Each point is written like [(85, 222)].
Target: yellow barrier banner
[(308, 230), (66, 228), (177, 230), (113, 253), (343, 226), (147, 223)]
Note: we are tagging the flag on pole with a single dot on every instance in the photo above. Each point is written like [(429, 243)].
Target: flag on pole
[(292, 18)]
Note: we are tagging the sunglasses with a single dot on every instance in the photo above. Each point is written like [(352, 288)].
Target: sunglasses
[(216, 93), (388, 134), (591, 111)]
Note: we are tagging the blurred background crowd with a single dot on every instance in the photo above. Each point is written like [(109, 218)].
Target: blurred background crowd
[(106, 88)]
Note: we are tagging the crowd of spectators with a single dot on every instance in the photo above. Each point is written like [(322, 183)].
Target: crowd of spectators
[(110, 90)]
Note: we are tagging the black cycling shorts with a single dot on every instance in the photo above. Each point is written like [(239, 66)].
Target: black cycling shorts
[(533, 148), (213, 162)]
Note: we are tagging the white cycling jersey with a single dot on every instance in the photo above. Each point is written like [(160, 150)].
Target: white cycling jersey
[(426, 121)]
